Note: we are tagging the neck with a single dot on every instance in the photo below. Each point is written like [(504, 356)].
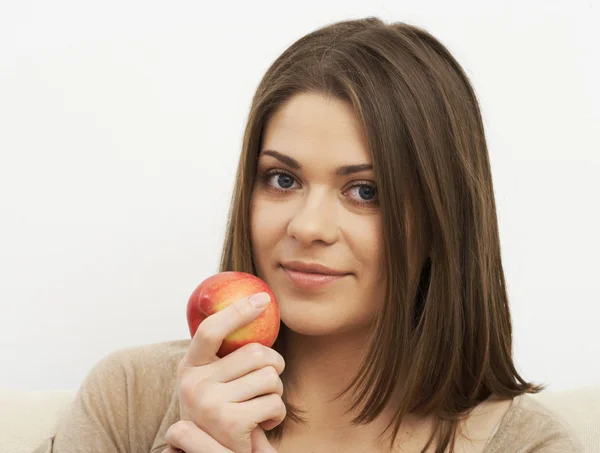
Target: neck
[(323, 364), (318, 368)]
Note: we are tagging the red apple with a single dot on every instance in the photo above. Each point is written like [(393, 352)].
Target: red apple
[(222, 289)]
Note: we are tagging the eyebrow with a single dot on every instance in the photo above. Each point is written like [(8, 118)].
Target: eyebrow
[(293, 163)]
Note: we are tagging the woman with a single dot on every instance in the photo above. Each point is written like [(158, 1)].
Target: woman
[(364, 199)]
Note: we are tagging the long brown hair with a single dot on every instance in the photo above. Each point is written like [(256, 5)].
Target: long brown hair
[(445, 336)]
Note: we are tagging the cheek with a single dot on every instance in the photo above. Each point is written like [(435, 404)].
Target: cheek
[(266, 226), (367, 246), (365, 238)]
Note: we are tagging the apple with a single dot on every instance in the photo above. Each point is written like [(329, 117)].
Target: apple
[(221, 290)]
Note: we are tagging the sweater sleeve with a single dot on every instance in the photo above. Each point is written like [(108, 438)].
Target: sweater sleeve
[(532, 427), (123, 404), (559, 441), (97, 419)]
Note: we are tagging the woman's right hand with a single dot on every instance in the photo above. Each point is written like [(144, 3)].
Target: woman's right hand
[(229, 398)]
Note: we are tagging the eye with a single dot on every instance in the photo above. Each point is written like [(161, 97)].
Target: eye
[(279, 180), (363, 193)]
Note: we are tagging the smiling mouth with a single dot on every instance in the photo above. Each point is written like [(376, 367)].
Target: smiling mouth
[(311, 280), (311, 268)]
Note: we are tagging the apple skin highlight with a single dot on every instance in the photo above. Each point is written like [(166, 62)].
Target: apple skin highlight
[(221, 290)]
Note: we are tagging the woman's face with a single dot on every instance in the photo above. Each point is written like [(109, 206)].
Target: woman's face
[(315, 203)]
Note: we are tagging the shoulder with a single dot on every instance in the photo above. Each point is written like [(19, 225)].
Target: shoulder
[(134, 378), (144, 366), (530, 425), (135, 387), (140, 359), (126, 398)]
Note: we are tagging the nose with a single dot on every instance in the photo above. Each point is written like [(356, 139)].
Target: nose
[(315, 219)]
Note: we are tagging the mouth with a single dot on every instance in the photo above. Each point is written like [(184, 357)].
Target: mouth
[(310, 276)]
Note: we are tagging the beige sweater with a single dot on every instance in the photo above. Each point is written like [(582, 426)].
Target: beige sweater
[(128, 401)]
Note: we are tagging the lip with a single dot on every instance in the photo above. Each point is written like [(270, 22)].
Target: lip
[(312, 268), (311, 276)]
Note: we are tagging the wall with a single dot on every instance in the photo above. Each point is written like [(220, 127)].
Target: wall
[(120, 128)]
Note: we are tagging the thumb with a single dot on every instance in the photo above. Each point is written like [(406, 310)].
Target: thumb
[(260, 443)]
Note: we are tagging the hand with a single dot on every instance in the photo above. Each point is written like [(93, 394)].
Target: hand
[(186, 437), (228, 399)]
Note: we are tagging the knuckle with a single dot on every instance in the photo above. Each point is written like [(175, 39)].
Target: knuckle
[(187, 385), (271, 375), (280, 407), (241, 308), (188, 396), (194, 390), (280, 362), (257, 351), (279, 387), (207, 333), (178, 431)]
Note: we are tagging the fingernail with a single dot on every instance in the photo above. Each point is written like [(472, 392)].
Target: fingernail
[(259, 300)]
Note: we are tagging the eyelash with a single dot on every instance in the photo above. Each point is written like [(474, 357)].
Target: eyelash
[(270, 173)]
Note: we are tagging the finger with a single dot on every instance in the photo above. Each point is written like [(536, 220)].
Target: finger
[(185, 435), (269, 424), (172, 450), (260, 443), (246, 359), (260, 382), (267, 408), (214, 329)]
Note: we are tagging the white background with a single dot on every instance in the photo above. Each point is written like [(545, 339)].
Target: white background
[(120, 129)]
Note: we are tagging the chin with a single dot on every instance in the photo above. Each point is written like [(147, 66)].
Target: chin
[(312, 318)]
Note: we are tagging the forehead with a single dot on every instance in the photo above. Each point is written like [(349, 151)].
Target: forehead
[(312, 125)]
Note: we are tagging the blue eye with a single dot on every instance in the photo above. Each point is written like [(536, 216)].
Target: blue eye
[(284, 181), (360, 192), (279, 180), (367, 194)]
